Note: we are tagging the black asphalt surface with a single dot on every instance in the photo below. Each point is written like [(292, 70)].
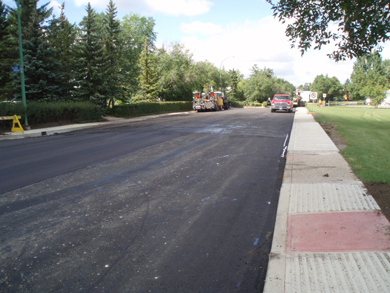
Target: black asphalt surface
[(183, 203)]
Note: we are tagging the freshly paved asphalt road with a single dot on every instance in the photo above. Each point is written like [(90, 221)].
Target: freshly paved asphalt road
[(182, 203)]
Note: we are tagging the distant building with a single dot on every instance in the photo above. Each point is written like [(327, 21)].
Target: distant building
[(386, 101), (305, 95)]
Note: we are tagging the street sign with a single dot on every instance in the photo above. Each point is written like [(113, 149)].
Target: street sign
[(313, 95), (324, 95), (15, 68)]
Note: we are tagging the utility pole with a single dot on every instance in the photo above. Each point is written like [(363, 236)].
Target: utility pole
[(21, 64)]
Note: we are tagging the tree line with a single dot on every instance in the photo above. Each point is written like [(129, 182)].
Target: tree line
[(102, 59), (96, 60), (106, 60), (358, 29), (370, 78)]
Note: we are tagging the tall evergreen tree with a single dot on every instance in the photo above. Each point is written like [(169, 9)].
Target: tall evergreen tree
[(5, 64), (91, 64), (62, 36), (234, 78), (113, 47), (148, 77), (3, 23), (41, 69)]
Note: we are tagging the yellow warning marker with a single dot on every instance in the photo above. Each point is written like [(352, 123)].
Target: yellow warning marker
[(15, 122)]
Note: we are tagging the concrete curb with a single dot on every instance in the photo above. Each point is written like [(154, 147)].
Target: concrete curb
[(73, 127), (275, 278)]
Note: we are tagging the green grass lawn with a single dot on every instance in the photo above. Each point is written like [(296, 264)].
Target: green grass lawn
[(367, 133)]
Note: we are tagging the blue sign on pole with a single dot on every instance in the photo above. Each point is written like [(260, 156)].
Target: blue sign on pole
[(16, 69)]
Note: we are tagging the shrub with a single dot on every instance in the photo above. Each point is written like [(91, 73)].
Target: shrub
[(237, 104), (265, 104), (147, 108), (39, 113)]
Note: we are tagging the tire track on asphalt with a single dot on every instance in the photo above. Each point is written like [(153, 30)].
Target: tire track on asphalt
[(88, 188)]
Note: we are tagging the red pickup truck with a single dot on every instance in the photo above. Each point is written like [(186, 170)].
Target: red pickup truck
[(282, 102)]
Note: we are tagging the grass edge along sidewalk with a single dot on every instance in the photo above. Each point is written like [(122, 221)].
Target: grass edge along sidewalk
[(363, 137)]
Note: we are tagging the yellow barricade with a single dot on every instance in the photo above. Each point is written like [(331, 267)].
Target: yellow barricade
[(16, 127)]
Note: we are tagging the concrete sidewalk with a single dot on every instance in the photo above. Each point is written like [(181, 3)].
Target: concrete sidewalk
[(329, 234)]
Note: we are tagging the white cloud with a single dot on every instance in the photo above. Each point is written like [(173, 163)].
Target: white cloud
[(56, 7), (127, 5), (207, 29), (180, 7), (264, 43), (386, 50), (169, 7), (94, 3)]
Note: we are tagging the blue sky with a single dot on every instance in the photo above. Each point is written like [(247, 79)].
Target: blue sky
[(217, 30)]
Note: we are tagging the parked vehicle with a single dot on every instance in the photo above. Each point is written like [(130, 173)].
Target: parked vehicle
[(282, 102)]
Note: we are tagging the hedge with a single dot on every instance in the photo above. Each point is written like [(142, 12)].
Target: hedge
[(143, 108), (39, 113), (237, 104)]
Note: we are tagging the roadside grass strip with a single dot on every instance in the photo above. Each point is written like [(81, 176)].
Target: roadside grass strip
[(367, 133)]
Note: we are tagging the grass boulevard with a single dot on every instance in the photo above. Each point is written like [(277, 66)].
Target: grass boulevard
[(363, 137)]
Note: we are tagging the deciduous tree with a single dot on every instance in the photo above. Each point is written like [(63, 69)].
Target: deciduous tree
[(305, 87), (177, 74), (135, 29), (330, 86), (355, 26), (369, 78), (207, 75)]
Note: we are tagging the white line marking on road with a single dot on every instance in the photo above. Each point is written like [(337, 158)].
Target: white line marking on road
[(284, 152), (285, 141)]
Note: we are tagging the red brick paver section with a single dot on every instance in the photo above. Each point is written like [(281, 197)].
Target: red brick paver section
[(337, 232)]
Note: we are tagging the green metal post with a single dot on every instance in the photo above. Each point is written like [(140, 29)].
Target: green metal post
[(21, 64)]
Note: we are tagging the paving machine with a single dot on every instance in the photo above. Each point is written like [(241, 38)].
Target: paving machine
[(211, 101)]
